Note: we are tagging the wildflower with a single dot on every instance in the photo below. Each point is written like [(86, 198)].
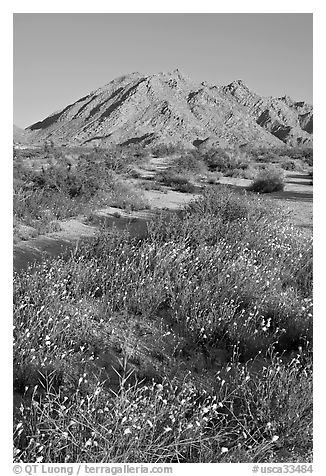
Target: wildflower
[(224, 449), (167, 429), (275, 438), (127, 431)]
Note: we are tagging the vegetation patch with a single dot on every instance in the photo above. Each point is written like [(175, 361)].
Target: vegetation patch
[(267, 181), (176, 181), (66, 186), (147, 350)]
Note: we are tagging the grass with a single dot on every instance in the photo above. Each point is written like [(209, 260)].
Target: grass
[(117, 351)]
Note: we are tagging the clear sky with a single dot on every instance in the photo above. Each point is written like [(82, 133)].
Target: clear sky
[(59, 58)]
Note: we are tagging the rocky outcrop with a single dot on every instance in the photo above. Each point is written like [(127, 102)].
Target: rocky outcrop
[(171, 108)]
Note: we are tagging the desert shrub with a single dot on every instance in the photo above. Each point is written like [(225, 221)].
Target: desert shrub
[(136, 151), (269, 157), (303, 153), (189, 162), (275, 155), (225, 161), (213, 178), (217, 159), (246, 173), (126, 197), (150, 185), (164, 150), (308, 157), (185, 187), (290, 164), (249, 173), (177, 181), (268, 181), (134, 174)]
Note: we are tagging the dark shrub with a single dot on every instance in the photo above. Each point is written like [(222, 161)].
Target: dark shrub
[(268, 181), (291, 164), (217, 159), (190, 161), (163, 150), (178, 182)]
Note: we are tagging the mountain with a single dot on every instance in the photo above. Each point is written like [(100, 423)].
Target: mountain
[(290, 121), (171, 108), (21, 136)]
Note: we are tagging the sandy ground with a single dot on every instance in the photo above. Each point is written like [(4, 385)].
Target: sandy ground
[(297, 197)]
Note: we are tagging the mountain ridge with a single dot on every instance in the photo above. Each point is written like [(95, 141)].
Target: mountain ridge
[(172, 108)]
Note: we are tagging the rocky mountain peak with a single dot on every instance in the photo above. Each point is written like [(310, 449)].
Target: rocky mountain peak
[(169, 107), (237, 85)]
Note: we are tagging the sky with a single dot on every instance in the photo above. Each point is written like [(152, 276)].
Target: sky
[(59, 58)]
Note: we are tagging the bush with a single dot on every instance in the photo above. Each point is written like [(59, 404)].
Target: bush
[(247, 173), (225, 160), (189, 162), (217, 160), (291, 164), (213, 179), (275, 154), (150, 185), (268, 181), (177, 181), (126, 197), (164, 150)]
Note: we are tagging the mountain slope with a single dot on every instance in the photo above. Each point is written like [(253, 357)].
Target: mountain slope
[(171, 108), (21, 136), (290, 121)]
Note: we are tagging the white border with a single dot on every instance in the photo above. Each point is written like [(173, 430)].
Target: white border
[(168, 6)]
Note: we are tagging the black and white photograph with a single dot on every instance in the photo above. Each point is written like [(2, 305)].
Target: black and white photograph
[(162, 219)]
